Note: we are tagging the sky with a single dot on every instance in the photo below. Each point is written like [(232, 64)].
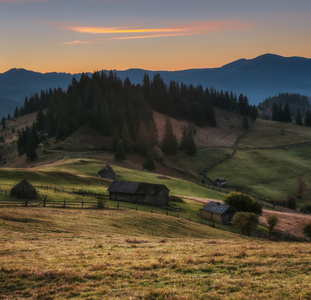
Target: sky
[(76, 36)]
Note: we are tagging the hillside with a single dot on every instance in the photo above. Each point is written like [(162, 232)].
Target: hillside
[(91, 254), (258, 79), (268, 161)]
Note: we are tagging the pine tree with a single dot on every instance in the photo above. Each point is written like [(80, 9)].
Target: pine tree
[(31, 153), (298, 118), (143, 143), (308, 118), (3, 122), (187, 143), (149, 163), (169, 142), (245, 124), (126, 139), (120, 152), (287, 116), (40, 120), (16, 113), (115, 139)]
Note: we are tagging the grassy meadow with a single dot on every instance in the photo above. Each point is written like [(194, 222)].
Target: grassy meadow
[(49, 253), (268, 165)]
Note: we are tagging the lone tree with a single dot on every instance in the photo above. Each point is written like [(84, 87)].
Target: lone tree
[(243, 202), (246, 222), (307, 231), (272, 221), (301, 187)]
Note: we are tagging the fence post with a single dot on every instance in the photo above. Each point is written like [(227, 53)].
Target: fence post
[(44, 201), (26, 202), (64, 202), (82, 203)]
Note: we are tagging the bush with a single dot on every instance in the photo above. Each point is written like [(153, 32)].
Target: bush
[(246, 222), (306, 209), (291, 202), (307, 231), (243, 202), (272, 220)]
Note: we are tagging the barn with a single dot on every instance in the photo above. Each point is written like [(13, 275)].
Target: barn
[(139, 192), (24, 190), (221, 182), (107, 173), (218, 212)]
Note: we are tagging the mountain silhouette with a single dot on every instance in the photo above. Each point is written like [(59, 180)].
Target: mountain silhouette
[(264, 76)]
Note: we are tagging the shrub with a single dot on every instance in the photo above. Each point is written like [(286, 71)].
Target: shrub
[(272, 220), (243, 202), (291, 202), (307, 231), (245, 221)]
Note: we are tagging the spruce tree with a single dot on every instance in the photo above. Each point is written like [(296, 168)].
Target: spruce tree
[(169, 142), (115, 138), (308, 118), (245, 124), (31, 153), (120, 152), (298, 118), (40, 120), (143, 143), (149, 163), (187, 143), (126, 139)]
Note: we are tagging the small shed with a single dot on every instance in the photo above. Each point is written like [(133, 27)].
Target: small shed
[(221, 182), (24, 190), (218, 212), (107, 173), (139, 192)]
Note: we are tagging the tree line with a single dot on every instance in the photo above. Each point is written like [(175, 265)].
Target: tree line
[(124, 111)]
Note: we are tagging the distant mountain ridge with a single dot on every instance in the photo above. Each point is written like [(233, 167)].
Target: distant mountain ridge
[(264, 76)]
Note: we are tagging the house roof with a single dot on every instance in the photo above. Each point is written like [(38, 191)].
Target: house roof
[(221, 179), (217, 207), (127, 187), (106, 169), (130, 187)]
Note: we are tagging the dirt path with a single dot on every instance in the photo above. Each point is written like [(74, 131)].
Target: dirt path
[(290, 222)]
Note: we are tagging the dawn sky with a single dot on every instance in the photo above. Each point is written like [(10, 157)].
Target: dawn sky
[(87, 35)]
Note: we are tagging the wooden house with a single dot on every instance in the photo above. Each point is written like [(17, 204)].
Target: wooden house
[(218, 212), (24, 190), (107, 173), (221, 182), (139, 192)]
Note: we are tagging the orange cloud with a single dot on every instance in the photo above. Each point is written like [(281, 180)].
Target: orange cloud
[(185, 29), (20, 1)]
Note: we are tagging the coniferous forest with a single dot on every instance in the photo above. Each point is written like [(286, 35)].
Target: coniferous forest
[(124, 111)]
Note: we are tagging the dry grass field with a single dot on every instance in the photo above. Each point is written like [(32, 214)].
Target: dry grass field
[(48, 253)]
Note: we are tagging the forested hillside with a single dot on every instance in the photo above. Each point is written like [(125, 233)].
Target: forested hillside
[(124, 111), (286, 107)]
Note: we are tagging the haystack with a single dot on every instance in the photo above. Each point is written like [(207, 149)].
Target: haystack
[(24, 190)]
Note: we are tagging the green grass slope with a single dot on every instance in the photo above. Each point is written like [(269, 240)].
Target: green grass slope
[(268, 161)]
